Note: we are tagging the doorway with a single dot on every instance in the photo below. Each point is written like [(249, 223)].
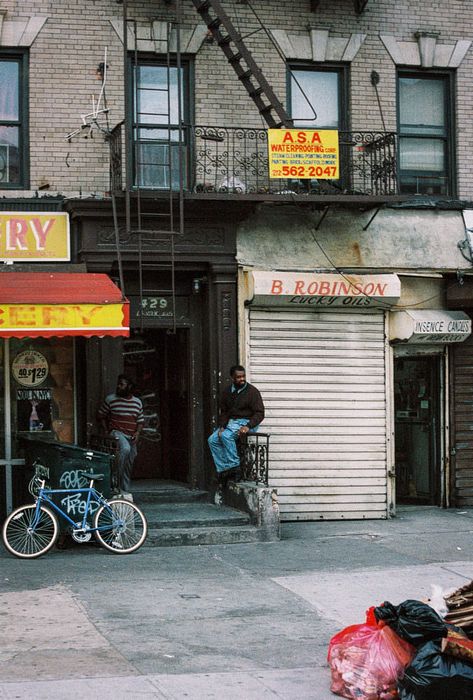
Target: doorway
[(417, 429), (157, 360)]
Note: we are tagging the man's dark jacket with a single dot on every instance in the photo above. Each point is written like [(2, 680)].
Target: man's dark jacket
[(242, 404)]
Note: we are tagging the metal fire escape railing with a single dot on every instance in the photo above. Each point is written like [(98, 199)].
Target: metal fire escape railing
[(142, 223), (242, 62), (233, 161)]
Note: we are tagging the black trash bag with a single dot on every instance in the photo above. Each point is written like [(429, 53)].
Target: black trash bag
[(413, 621), (436, 676)]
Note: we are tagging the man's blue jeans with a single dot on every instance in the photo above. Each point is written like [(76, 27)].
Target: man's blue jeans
[(126, 455), (223, 447)]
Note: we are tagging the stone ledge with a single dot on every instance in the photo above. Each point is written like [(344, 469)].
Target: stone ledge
[(260, 502)]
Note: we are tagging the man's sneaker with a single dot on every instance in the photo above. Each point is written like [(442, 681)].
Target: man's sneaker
[(127, 497)]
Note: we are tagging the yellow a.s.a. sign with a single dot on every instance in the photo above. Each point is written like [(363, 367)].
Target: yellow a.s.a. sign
[(303, 154), (34, 236)]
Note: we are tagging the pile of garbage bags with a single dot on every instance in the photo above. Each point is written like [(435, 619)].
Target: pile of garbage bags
[(404, 651)]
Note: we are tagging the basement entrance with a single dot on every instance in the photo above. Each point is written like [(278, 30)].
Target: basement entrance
[(157, 360)]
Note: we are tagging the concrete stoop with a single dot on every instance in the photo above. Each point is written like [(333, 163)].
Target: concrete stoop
[(179, 516)]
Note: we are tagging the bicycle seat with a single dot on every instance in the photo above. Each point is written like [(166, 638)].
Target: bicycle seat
[(89, 475)]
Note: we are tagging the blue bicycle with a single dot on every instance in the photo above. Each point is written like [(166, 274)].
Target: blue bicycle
[(31, 530)]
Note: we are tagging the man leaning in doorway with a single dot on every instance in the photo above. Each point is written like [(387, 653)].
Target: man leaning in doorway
[(121, 416), (241, 411)]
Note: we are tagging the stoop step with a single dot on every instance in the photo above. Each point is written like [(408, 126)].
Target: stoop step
[(180, 516), (185, 536), (166, 492)]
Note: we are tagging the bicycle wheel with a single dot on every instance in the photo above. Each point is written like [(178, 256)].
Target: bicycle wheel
[(122, 527), (28, 537)]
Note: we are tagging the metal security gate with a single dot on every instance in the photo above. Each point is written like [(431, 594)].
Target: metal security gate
[(322, 377)]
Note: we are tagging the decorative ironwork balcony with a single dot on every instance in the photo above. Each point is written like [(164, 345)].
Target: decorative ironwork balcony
[(254, 457), (221, 160)]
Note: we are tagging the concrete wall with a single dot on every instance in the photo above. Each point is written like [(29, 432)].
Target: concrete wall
[(285, 237), (66, 50)]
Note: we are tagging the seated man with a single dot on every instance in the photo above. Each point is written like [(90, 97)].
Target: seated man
[(241, 410)]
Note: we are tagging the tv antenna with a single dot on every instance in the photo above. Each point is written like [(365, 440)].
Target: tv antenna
[(90, 121)]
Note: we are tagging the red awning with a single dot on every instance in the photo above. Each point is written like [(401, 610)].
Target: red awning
[(58, 304)]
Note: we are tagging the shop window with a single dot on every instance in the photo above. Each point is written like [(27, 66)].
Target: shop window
[(42, 387), (156, 106), (2, 402), (13, 120), (425, 134)]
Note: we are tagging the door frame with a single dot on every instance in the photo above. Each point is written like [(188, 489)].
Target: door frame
[(439, 487)]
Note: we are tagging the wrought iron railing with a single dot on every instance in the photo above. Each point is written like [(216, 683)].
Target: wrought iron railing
[(254, 457), (234, 160)]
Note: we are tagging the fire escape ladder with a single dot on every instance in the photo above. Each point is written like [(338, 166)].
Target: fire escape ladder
[(153, 229), (242, 62)]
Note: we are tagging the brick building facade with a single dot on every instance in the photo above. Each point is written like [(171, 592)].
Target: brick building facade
[(361, 64)]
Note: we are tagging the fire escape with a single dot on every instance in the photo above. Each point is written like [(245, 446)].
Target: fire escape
[(147, 228), (232, 161), (242, 62)]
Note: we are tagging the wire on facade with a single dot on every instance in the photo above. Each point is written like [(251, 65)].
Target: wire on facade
[(283, 58), (379, 304), (374, 82)]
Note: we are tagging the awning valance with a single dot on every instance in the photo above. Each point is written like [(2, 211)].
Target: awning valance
[(429, 326), (61, 304)]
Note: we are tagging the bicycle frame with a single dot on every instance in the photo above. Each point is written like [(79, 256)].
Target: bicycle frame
[(44, 499)]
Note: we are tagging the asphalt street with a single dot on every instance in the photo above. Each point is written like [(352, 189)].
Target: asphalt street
[(243, 621)]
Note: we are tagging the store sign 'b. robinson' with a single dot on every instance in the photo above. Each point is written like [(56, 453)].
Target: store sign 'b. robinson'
[(303, 154), (34, 236), (321, 290)]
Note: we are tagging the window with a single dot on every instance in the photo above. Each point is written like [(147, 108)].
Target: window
[(156, 125), (319, 90), (13, 134), (425, 142)]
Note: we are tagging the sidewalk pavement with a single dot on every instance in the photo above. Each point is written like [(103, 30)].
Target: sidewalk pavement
[(235, 621)]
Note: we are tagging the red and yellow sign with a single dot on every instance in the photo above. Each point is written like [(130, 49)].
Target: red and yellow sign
[(31, 320), (34, 236), (303, 154)]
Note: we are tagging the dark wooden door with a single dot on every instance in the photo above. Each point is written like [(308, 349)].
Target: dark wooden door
[(417, 426), (157, 361)]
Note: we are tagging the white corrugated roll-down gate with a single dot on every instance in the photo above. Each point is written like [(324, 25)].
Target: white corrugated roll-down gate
[(322, 377)]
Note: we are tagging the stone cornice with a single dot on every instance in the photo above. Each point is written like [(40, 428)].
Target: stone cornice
[(19, 31), (153, 36), (318, 45), (426, 52)]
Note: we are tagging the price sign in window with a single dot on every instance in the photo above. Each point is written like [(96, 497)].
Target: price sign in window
[(30, 368)]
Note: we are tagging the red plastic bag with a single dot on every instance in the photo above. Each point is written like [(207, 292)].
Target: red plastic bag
[(366, 661)]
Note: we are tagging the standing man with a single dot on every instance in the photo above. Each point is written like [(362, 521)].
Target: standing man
[(121, 416), (241, 410)]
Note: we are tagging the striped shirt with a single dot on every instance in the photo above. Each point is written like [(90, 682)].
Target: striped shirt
[(121, 413)]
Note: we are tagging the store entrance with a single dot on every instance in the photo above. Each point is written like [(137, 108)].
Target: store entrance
[(157, 360), (417, 429)]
